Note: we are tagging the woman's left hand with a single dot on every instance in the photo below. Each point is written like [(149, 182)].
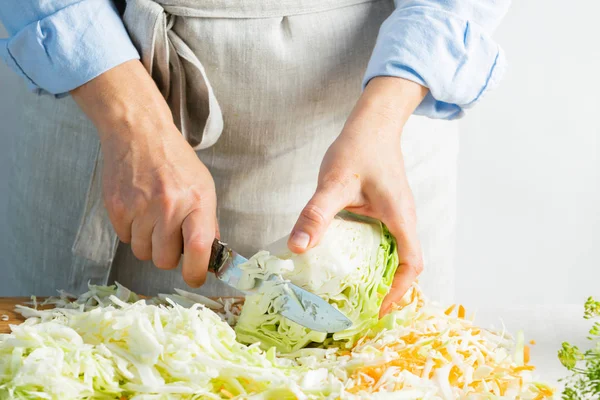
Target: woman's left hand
[(363, 172)]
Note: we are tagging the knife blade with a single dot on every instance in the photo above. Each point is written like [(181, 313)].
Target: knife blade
[(300, 306)]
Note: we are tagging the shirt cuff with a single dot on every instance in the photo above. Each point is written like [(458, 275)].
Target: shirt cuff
[(70, 47), (455, 58)]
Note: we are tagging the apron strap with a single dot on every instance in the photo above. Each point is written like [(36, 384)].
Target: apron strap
[(177, 71)]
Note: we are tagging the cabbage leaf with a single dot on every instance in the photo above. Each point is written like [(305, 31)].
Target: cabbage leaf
[(352, 268)]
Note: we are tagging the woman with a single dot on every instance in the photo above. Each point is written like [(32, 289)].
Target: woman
[(235, 117)]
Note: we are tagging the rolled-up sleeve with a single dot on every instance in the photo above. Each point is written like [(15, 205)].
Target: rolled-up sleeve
[(61, 44), (444, 45)]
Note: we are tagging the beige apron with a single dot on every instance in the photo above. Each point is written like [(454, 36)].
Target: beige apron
[(260, 89)]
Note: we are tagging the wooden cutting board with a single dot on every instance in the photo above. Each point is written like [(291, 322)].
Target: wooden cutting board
[(7, 307)]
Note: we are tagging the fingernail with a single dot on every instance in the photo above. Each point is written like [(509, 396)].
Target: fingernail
[(300, 239)]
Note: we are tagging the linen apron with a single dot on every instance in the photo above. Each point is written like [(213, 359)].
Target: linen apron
[(260, 89)]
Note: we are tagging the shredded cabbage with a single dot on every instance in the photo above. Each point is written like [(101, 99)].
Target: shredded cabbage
[(352, 268), (132, 350), (142, 350)]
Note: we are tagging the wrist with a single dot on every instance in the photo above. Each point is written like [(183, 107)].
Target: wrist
[(388, 102), (122, 101)]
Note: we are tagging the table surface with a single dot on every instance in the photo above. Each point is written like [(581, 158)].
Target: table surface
[(7, 307), (547, 325)]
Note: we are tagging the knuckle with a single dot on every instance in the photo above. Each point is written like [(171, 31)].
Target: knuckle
[(141, 250), (167, 201), (196, 194), (198, 245), (313, 214), (200, 197), (166, 261), (416, 264)]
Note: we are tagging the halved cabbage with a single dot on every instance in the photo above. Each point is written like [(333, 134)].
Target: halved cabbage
[(352, 268)]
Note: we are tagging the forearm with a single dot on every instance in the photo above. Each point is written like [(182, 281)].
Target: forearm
[(386, 103), (121, 98)]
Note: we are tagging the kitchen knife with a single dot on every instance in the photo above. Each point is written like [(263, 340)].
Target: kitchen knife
[(300, 306)]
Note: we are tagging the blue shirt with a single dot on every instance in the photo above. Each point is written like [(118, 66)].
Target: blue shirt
[(445, 45)]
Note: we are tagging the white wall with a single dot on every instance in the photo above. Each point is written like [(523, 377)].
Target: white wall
[(529, 171), (529, 191)]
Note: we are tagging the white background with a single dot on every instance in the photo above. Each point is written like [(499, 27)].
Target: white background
[(529, 171), (529, 167)]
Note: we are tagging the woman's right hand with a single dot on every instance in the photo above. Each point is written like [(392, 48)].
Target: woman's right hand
[(160, 197)]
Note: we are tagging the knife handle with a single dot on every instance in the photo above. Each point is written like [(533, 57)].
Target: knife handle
[(218, 255)]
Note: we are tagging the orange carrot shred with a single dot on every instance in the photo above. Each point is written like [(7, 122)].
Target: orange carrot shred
[(524, 368)]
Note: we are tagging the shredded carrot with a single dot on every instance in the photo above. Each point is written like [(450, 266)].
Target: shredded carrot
[(524, 368), (526, 357), (450, 309), (461, 311), (544, 393), (532, 342)]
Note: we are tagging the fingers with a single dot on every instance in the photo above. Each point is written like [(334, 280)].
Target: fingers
[(198, 234), (401, 222), (117, 213), (406, 274), (167, 243), (141, 237), (330, 198)]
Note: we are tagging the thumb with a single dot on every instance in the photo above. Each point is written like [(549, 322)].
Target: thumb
[(315, 218)]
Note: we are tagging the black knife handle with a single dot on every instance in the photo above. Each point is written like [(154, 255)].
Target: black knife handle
[(218, 255)]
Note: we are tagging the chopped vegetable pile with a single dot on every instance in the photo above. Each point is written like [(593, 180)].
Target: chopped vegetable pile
[(110, 344), (101, 347), (584, 382)]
